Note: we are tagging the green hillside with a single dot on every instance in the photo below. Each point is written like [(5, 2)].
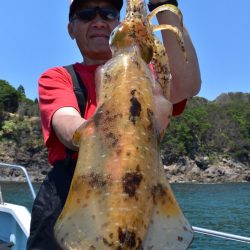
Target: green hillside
[(210, 128), (205, 129)]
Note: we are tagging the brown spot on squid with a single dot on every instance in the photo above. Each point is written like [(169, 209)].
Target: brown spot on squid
[(131, 182)]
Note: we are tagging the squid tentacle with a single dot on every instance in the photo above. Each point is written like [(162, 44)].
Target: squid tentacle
[(160, 58), (177, 33), (166, 7)]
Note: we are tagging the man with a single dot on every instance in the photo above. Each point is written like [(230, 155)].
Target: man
[(90, 24)]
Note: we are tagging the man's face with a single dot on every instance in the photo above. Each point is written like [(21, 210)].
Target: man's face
[(92, 36)]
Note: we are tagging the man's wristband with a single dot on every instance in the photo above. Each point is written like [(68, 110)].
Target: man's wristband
[(152, 6)]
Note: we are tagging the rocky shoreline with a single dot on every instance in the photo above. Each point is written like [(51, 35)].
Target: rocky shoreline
[(183, 171), (191, 171)]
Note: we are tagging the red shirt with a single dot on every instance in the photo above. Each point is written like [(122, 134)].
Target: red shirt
[(56, 91)]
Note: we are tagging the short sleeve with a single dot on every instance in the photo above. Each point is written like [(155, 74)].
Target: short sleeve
[(55, 91), (179, 107)]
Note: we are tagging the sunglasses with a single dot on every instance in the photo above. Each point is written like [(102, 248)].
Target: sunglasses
[(89, 14)]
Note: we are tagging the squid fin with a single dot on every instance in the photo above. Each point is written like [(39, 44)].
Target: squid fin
[(169, 229)]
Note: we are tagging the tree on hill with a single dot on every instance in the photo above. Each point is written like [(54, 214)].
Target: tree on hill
[(15, 101), (21, 92), (8, 97)]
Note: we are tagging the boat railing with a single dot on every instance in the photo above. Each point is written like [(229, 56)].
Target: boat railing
[(23, 169), (198, 230), (222, 235)]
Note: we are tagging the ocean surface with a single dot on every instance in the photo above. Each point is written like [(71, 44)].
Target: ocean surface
[(221, 207)]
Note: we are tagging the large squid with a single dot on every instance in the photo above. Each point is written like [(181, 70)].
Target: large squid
[(119, 197)]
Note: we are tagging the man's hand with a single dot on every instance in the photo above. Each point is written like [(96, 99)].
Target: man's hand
[(162, 1), (163, 108), (155, 3), (65, 121)]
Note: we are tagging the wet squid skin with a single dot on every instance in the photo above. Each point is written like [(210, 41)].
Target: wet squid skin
[(119, 198)]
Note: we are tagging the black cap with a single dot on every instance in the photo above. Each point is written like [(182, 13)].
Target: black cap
[(116, 3)]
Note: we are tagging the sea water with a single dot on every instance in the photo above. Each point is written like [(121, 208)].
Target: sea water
[(220, 207)]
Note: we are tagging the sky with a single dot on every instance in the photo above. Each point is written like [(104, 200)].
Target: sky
[(34, 37)]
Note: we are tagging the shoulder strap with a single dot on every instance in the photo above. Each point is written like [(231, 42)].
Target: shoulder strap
[(79, 88)]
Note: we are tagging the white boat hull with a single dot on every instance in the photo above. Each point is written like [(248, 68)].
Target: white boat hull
[(15, 225)]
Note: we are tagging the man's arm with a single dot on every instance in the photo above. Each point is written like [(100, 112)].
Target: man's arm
[(186, 79)]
